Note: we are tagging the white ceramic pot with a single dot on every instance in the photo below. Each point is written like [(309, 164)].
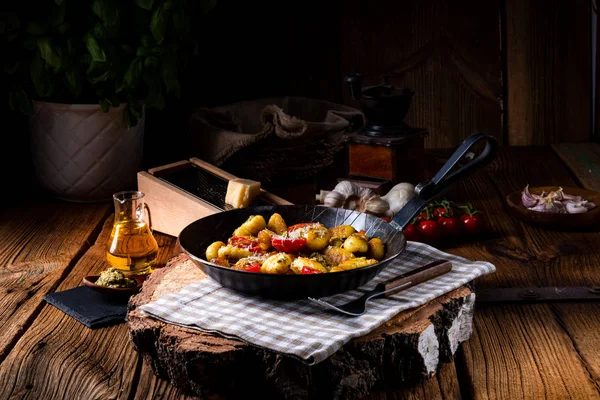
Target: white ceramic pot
[(83, 154)]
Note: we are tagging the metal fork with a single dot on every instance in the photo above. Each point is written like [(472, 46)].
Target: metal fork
[(358, 307)]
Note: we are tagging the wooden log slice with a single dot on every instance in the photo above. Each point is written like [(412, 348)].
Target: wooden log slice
[(407, 349)]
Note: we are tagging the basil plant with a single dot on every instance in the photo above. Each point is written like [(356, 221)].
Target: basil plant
[(99, 51)]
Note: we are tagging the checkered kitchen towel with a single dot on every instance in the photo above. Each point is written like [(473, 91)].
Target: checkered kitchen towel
[(303, 328)]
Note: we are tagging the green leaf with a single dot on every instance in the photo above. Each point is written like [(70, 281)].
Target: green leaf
[(133, 73), (169, 75), (104, 105), (95, 49), (142, 51), (151, 62), (148, 41), (50, 52), (135, 108), (114, 101), (74, 81), (35, 28), (58, 15), (128, 118), (95, 68), (156, 96), (158, 24), (100, 78), (145, 4), (127, 49), (62, 29), (99, 31), (108, 12), (70, 47)]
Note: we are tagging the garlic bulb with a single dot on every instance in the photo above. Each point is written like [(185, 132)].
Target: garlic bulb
[(398, 196), (353, 197)]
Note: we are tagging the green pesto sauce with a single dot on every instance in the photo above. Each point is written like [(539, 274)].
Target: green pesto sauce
[(113, 278)]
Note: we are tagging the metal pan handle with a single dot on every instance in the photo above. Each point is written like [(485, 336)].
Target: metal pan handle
[(445, 177)]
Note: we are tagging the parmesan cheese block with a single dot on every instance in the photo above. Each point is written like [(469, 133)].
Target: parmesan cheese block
[(241, 192)]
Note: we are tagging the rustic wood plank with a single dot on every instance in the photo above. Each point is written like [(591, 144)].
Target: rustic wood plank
[(583, 159), (548, 63), (151, 387), (443, 386), (39, 243), (448, 52), (57, 357), (581, 321), (521, 351)]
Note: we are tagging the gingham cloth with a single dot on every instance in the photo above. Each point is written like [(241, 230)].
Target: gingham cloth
[(303, 328)]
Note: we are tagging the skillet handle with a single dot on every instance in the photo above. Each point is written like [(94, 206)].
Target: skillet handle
[(416, 276), (427, 191)]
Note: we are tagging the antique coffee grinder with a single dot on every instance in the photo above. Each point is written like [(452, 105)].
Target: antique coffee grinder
[(386, 148)]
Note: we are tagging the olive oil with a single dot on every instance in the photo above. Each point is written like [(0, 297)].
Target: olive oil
[(131, 247)]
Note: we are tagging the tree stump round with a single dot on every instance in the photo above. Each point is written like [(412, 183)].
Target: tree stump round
[(406, 349)]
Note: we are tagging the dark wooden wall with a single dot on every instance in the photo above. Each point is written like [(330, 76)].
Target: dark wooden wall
[(517, 69)]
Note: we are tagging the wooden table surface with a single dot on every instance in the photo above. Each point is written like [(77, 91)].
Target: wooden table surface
[(517, 350)]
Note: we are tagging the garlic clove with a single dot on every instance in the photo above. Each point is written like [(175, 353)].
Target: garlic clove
[(334, 199), (527, 199), (377, 206), (398, 196)]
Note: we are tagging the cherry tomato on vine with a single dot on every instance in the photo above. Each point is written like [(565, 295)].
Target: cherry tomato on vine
[(412, 233), (430, 231), (450, 227), (473, 223), (442, 211)]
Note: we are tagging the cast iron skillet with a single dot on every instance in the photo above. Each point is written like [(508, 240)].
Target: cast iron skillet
[(196, 237)]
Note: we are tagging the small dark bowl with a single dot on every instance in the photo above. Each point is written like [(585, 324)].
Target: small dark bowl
[(386, 106), (565, 222), (90, 281)]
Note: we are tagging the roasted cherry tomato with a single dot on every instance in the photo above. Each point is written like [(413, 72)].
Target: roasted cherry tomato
[(288, 245), (298, 226), (412, 233), (430, 231), (473, 223), (245, 242), (308, 270), (252, 267), (450, 227)]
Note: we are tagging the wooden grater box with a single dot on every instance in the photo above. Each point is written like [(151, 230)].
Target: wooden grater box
[(185, 191)]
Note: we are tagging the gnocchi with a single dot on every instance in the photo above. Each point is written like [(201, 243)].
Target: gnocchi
[(274, 247)]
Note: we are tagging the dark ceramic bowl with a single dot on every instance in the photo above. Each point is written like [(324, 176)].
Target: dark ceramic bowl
[(196, 237), (556, 221)]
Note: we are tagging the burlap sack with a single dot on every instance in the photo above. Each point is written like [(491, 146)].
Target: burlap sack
[(273, 139)]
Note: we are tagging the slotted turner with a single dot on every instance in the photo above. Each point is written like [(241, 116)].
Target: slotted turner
[(358, 307)]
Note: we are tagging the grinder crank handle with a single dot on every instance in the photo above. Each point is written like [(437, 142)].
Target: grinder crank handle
[(429, 190)]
